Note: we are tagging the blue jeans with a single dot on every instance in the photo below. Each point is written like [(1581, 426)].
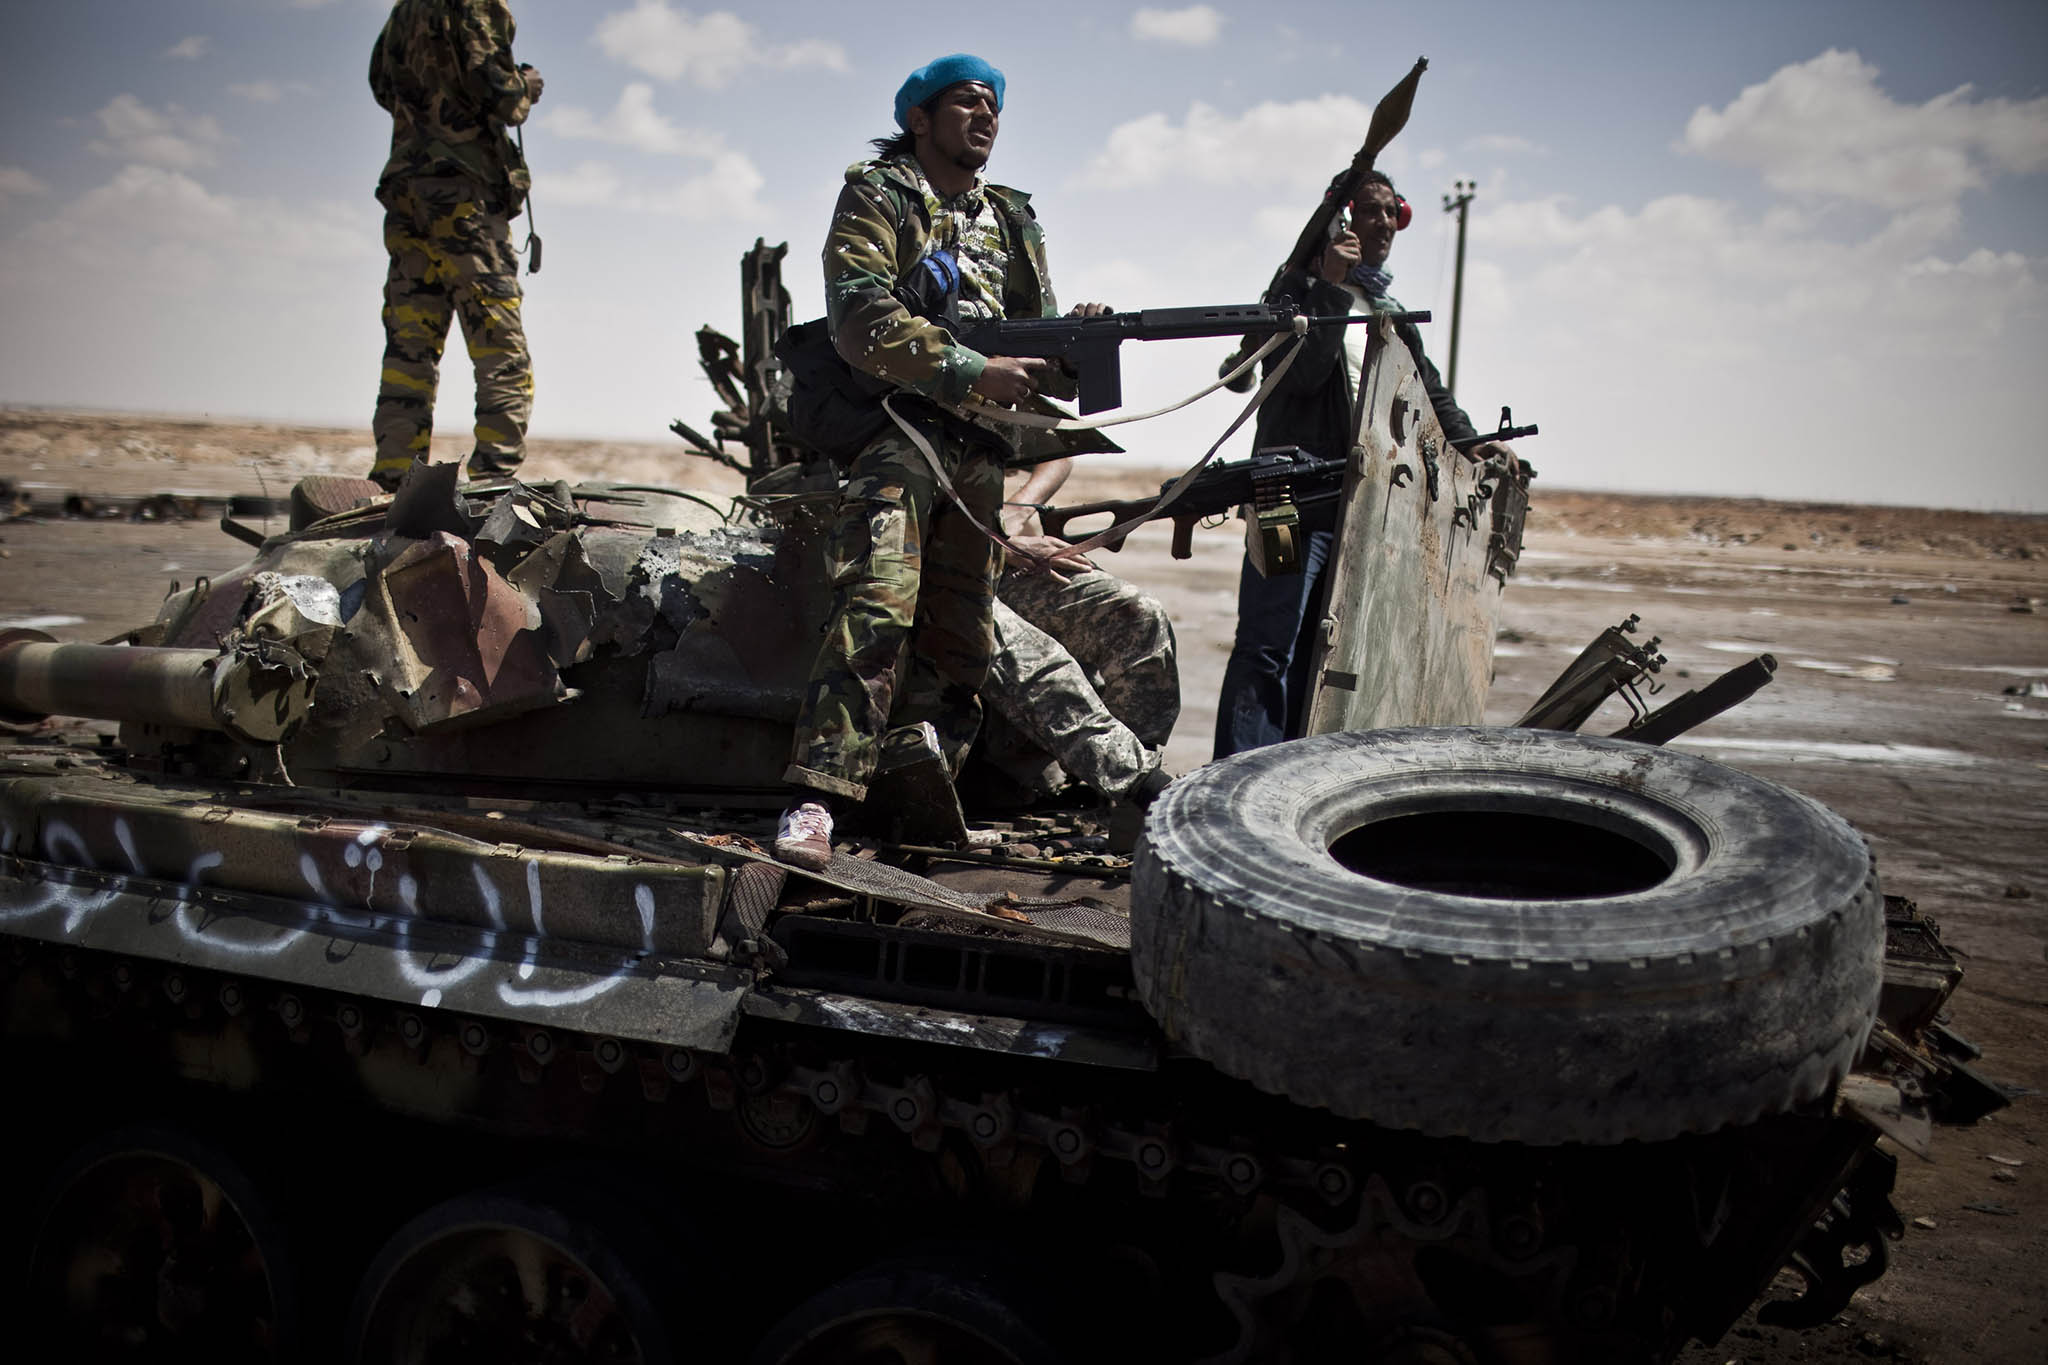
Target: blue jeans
[(1266, 682)]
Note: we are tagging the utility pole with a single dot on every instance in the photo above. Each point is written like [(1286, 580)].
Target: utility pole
[(1456, 202)]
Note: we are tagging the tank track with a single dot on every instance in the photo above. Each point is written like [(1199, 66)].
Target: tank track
[(1479, 1240)]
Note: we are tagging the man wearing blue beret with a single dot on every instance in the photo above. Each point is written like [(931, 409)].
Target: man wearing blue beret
[(908, 643)]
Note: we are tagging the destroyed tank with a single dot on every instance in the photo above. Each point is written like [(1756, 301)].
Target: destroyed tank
[(404, 980)]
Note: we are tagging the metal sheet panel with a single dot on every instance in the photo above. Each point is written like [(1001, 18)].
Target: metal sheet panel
[(1408, 628)]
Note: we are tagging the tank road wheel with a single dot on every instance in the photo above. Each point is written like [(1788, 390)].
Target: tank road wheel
[(1508, 935), (952, 1309), (152, 1245), (516, 1278)]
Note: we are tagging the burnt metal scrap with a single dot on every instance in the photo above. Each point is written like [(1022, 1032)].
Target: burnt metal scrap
[(20, 499), (746, 375)]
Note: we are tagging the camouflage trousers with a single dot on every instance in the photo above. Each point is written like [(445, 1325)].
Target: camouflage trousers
[(450, 258), (1084, 680), (913, 597)]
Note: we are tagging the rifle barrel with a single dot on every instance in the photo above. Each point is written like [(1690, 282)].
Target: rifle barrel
[(1504, 434)]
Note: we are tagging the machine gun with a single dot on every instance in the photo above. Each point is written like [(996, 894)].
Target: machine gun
[(1089, 345), (1275, 486), (1279, 481)]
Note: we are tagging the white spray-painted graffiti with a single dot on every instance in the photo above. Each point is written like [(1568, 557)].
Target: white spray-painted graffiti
[(429, 970)]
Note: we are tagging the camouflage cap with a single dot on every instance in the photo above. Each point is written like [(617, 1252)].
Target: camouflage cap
[(934, 76)]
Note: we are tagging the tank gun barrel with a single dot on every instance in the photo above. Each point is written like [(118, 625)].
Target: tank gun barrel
[(195, 689)]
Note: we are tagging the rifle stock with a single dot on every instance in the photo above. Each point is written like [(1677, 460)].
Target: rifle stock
[(1089, 345), (1284, 474)]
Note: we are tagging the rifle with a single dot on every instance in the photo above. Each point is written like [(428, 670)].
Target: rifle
[(1089, 345), (1507, 432), (1279, 483), (1389, 117)]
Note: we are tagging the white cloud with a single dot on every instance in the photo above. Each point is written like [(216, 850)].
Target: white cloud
[(1195, 26), (1297, 144), (268, 92), (1770, 355), (161, 232), (633, 122), (1824, 127), (189, 49), (1506, 144), (15, 180), (728, 190), (588, 183), (673, 44), (135, 132)]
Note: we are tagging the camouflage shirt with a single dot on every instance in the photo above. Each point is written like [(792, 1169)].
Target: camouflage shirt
[(444, 71), (889, 218)]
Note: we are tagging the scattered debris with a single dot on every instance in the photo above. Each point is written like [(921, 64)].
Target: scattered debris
[(2035, 688), (1868, 667), (2012, 1161), (1925, 1222), (2024, 605), (2000, 1210), (1900, 599), (2015, 891), (2005, 1177)]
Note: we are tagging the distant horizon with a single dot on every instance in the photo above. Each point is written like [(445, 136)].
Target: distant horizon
[(1125, 462)]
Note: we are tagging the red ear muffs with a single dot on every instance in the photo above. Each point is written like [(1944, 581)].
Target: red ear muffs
[(1403, 214)]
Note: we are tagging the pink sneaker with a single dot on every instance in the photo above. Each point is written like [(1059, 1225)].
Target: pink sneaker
[(804, 837)]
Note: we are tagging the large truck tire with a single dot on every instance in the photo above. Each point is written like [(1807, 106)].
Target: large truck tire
[(1508, 935)]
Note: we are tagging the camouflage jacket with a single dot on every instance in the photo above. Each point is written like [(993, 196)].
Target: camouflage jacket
[(882, 227), (444, 71)]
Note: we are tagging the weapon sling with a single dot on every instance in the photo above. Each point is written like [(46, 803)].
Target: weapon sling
[(1272, 381)]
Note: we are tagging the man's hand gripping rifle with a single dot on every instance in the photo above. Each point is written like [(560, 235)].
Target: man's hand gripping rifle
[(1275, 487), (1088, 345)]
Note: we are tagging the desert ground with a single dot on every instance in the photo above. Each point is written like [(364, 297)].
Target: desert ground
[(1911, 696)]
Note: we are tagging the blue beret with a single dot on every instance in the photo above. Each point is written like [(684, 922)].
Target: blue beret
[(932, 77)]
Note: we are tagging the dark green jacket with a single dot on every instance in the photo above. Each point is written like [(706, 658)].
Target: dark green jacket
[(880, 229), (444, 71)]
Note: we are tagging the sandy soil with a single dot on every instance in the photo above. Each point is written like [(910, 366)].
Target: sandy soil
[(1912, 696)]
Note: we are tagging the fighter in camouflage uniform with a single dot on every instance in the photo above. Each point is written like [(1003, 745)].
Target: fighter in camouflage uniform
[(1084, 670), (454, 180), (909, 638), (1084, 681)]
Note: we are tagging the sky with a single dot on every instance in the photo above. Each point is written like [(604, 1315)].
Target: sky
[(1790, 249)]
